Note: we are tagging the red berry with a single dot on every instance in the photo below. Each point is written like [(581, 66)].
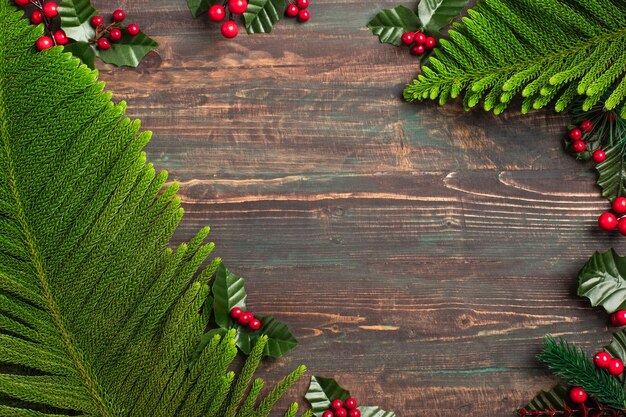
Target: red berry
[(418, 49), (327, 413), (304, 15), (407, 38), (419, 38), (616, 367), (599, 156), (354, 413), (115, 34), (50, 9), (104, 44), (586, 126), (618, 319), (22, 2), (341, 412), (430, 42), (350, 403), (235, 312), (621, 227), (60, 37), (302, 4), (255, 324), (292, 10), (575, 134), (578, 146), (336, 405), (577, 395), (607, 221), (119, 15), (245, 318), (132, 29), (217, 13), (229, 29), (97, 21), (619, 205), (237, 6), (44, 42), (602, 360), (36, 17)]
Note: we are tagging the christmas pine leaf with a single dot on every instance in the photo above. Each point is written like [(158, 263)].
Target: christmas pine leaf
[(83, 51), (98, 313), (436, 14), (390, 24), (546, 51), (321, 392), (261, 15), (602, 280)]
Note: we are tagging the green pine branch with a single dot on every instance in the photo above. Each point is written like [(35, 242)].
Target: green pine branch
[(548, 51)]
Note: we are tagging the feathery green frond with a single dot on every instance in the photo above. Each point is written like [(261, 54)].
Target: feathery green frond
[(98, 317), (546, 51)]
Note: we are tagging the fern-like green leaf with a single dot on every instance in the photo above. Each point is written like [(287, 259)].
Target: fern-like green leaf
[(98, 316), (536, 49)]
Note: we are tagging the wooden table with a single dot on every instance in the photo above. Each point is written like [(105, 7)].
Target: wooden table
[(418, 253)]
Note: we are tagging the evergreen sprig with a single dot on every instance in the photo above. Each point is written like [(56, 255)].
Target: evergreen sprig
[(575, 367), (547, 51)]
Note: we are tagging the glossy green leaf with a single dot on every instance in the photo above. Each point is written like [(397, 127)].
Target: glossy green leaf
[(390, 24), (128, 51), (83, 51), (75, 19), (279, 338), (602, 281), (261, 15), (549, 400), (199, 7), (369, 411), (321, 392), (612, 173), (617, 347), (228, 292), (436, 14)]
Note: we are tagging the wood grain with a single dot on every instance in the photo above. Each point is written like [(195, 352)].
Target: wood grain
[(418, 253)]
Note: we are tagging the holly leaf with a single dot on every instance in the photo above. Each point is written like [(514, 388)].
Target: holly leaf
[(437, 14), (128, 51), (83, 51), (602, 281), (390, 24), (369, 411), (321, 392), (228, 292), (261, 15), (612, 172), (548, 401), (199, 7), (279, 338), (76, 19)]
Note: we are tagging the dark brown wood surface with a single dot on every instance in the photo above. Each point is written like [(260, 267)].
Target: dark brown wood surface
[(418, 253)]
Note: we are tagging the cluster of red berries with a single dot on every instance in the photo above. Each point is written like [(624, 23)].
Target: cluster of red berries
[(105, 34), (343, 409), (299, 10), (217, 13), (245, 318), (42, 13), (418, 42), (602, 360), (577, 135), (609, 221)]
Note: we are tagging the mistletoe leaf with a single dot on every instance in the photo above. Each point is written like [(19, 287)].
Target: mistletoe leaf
[(436, 14), (261, 15), (228, 292), (612, 172), (602, 281), (83, 51), (390, 24), (128, 51), (370, 411), (199, 7), (549, 400), (279, 338), (75, 19), (321, 392)]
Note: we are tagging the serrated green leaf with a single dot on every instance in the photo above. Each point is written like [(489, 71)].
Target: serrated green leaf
[(390, 24), (602, 281), (612, 172), (321, 392), (83, 51), (228, 292), (437, 14), (76, 19), (261, 15), (128, 51), (369, 411), (279, 338)]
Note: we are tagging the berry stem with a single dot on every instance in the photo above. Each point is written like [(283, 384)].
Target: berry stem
[(46, 20)]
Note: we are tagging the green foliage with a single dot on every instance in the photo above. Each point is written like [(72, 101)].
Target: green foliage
[(390, 24), (98, 315), (547, 400), (576, 368), (603, 280), (547, 51), (436, 14), (200, 7), (261, 15), (75, 21)]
